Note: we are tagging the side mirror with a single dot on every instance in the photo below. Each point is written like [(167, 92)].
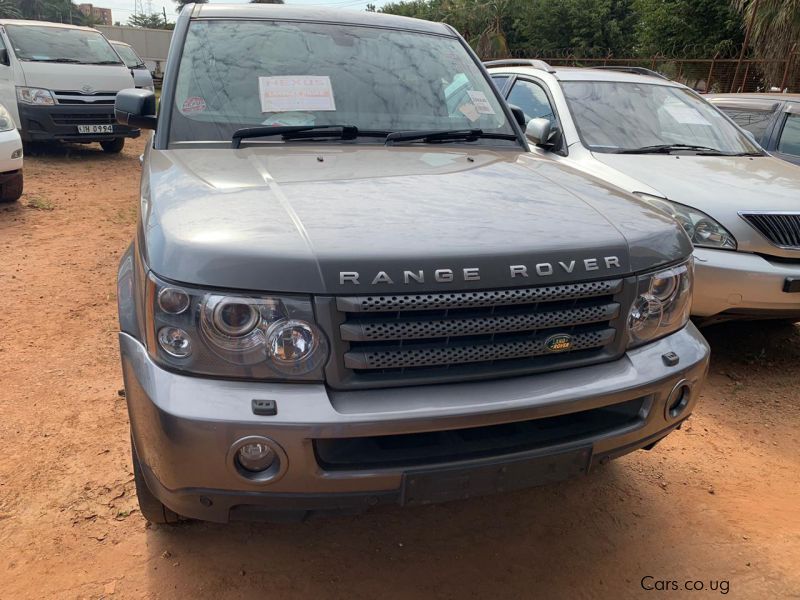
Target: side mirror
[(136, 108), (538, 131), (519, 116), (4, 57)]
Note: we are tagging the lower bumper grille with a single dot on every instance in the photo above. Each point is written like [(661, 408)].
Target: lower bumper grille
[(83, 118), (407, 339), (782, 229)]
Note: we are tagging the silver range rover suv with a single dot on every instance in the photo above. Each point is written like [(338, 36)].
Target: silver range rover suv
[(353, 284)]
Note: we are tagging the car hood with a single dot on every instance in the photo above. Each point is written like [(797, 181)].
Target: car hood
[(294, 218), (70, 77), (720, 186)]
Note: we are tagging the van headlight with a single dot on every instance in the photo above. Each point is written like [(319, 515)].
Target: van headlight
[(231, 334), (701, 229), (662, 305), (38, 96)]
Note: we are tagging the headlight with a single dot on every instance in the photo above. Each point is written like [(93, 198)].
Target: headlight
[(7, 122), (233, 334), (702, 229), (662, 304), (28, 95)]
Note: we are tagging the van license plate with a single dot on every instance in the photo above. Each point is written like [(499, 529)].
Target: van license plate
[(95, 129)]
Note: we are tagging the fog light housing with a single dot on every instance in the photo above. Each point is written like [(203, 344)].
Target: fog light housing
[(16, 153), (255, 457)]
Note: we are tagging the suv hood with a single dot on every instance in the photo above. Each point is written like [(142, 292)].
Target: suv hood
[(70, 77), (294, 218), (720, 186)]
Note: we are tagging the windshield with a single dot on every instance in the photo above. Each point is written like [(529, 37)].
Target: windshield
[(128, 55), (57, 44), (618, 116), (236, 74)]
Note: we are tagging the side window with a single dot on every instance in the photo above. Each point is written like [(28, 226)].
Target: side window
[(754, 121), (790, 136), (4, 60), (500, 81), (532, 99)]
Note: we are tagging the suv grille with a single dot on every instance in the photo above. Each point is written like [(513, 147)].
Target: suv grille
[(782, 229), (431, 338)]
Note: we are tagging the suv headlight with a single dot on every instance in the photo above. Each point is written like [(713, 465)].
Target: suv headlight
[(225, 334), (28, 95), (6, 120), (702, 229), (662, 304)]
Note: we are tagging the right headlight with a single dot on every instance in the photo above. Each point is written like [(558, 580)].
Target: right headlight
[(701, 229), (662, 305), (39, 96), (6, 120), (231, 334)]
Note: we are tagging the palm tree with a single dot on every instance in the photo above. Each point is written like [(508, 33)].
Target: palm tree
[(9, 10), (775, 30)]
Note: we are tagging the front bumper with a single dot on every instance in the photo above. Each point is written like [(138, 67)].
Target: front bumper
[(10, 144), (183, 429), (732, 284), (60, 122)]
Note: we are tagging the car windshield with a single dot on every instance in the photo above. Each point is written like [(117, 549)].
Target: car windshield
[(628, 116), (128, 55), (236, 74), (60, 44)]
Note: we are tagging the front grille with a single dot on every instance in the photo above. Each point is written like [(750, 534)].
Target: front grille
[(782, 229), (83, 119), (407, 339), (71, 97)]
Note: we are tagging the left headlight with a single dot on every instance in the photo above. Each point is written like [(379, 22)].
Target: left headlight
[(236, 335), (6, 120), (701, 229), (663, 303)]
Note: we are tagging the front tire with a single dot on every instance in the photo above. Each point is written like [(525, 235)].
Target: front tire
[(114, 146), (11, 190), (151, 507)]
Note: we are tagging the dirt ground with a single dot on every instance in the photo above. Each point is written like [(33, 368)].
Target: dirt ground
[(716, 504)]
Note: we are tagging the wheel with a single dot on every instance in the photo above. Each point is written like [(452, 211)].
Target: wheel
[(114, 146), (11, 190), (152, 508)]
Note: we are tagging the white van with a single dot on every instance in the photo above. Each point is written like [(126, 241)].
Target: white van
[(141, 74), (59, 83)]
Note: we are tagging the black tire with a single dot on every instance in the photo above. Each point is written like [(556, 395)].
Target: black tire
[(11, 190), (114, 146), (151, 507)]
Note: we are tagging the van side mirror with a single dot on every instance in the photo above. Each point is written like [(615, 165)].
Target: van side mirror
[(519, 116), (538, 131), (136, 108), (4, 57)]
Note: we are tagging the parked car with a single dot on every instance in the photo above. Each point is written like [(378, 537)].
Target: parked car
[(661, 141), (59, 83), (142, 77), (773, 119), (346, 290), (10, 158)]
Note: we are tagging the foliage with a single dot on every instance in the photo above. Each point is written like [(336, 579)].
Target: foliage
[(151, 21), (181, 3), (775, 31)]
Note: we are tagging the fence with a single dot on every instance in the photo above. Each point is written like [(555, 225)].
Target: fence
[(703, 74)]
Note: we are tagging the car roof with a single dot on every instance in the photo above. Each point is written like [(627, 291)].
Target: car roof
[(587, 74), (284, 12), (45, 24), (755, 97)]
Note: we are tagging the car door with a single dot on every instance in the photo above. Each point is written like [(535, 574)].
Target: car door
[(787, 146)]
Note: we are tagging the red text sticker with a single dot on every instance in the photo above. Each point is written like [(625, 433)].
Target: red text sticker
[(194, 104)]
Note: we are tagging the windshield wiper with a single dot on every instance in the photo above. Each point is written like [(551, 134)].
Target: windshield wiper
[(55, 60), (294, 132), (669, 148), (104, 62), (445, 135)]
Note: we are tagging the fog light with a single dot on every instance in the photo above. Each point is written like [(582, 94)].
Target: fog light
[(175, 342), (16, 153), (255, 457)]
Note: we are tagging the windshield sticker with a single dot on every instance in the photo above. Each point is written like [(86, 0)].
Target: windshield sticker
[(469, 111), (193, 104), (686, 115), (481, 102), (290, 119), (296, 93)]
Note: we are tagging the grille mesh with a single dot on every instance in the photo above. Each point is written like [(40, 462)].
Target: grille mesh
[(447, 355), (782, 229), (455, 327), (517, 296)]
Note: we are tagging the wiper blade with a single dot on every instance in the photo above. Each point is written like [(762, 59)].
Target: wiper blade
[(444, 135), (104, 62), (55, 60), (294, 132), (668, 148)]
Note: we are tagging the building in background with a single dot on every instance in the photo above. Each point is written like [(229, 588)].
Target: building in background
[(102, 16)]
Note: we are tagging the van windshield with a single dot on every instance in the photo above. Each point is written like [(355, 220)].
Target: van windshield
[(61, 44), (235, 74)]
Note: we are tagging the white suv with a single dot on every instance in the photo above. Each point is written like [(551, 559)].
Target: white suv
[(658, 139), (10, 158)]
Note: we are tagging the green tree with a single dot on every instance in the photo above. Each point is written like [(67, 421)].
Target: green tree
[(9, 10), (151, 21)]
